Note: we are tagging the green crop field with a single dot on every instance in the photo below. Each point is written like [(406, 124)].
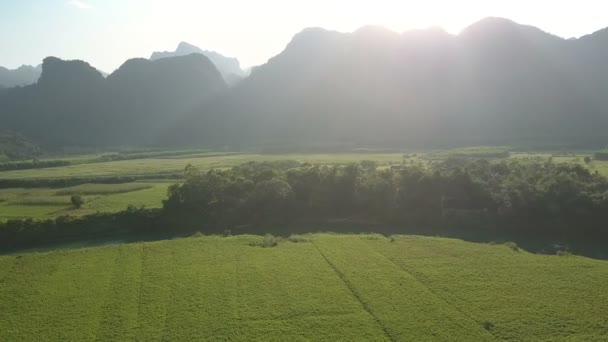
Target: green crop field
[(177, 164), (44, 203), (322, 288)]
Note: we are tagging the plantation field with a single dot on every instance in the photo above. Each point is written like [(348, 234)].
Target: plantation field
[(320, 287), (44, 203), (176, 164)]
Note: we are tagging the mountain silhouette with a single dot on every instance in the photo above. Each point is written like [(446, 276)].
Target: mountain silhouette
[(24, 75), (73, 104), (229, 67), (497, 82)]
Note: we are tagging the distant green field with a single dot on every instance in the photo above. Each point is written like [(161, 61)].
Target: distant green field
[(325, 288), (176, 164), (44, 203)]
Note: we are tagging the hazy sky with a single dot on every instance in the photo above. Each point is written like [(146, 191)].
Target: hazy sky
[(107, 32)]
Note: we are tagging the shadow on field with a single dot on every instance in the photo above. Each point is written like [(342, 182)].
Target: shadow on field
[(596, 249)]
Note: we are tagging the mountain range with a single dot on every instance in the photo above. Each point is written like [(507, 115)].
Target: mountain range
[(497, 82), (24, 75), (72, 104), (229, 67)]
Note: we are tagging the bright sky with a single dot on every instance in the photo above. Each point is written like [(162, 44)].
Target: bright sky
[(105, 33)]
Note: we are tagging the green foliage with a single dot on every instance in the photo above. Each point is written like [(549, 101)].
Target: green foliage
[(512, 245), (601, 155), (45, 203), (103, 189), (295, 238), (33, 164), (267, 241), (544, 197), (15, 146), (487, 325), (77, 201), (174, 165), (334, 288)]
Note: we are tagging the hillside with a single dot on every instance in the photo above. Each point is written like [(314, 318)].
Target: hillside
[(14, 146), (498, 82), (72, 104), (321, 287)]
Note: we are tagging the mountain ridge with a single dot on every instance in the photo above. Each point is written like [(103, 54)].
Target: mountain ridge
[(497, 82), (229, 67)]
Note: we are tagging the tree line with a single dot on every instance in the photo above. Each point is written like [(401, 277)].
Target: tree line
[(532, 197), (529, 198)]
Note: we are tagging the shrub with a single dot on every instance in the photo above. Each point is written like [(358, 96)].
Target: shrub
[(267, 241), (295, 238), (512, 245), (77, 201), (487, 325)]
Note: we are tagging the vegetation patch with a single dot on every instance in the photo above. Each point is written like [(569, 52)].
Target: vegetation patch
[(512, 245), (337, 287), (267, 241), (103, 189), (296, 238), (40, 200)]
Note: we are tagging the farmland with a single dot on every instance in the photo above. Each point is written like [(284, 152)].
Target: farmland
[(44, 203), (172, 164), (318, 287)]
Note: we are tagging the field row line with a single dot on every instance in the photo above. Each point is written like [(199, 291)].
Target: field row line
[(432, 291), (356, 294)]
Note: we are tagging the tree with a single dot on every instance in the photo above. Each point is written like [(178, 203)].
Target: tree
[(77, 201)]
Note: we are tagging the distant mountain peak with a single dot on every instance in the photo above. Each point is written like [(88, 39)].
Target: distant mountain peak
[(187, 46), (22, 76), (229, 67)]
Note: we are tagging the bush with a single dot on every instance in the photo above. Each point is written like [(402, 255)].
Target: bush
[(267, 241), (77, 201), (297, 238), (487, 325), (600, 155), (512, 245)]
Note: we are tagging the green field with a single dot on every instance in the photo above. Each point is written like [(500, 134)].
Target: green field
[(323, 288), (44, 203), (177, 164)]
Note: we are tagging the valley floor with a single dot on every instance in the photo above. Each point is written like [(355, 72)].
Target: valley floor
[(318, 287)]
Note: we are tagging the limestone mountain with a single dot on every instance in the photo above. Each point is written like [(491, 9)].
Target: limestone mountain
[(229, 67), (73, 104), (497, 82), (24, 75)]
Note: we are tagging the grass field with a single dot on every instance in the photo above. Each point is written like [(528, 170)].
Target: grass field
[(176, 164), (44, 203), (325, 288)]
